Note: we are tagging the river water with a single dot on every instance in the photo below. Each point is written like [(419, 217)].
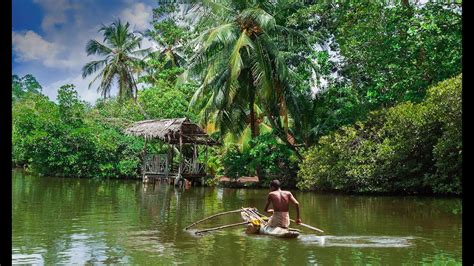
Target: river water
[(84, 221)]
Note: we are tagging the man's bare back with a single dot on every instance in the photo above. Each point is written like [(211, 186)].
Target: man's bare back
[(280, 200)]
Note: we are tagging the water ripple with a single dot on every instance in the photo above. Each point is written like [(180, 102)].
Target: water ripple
[(358, 241)]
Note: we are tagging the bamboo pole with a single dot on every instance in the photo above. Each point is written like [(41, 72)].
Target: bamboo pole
[(308, 226), (221, 227), (254, 212), (212, 216)]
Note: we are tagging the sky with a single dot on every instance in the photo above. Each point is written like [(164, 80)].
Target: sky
[(49, 38)]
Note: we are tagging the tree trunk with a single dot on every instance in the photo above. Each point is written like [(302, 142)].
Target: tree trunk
[(135, 98), (141, 110), (253, 124), (280, 132), (254, 130)]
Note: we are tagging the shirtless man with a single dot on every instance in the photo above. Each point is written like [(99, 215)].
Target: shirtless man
[(280, 199)]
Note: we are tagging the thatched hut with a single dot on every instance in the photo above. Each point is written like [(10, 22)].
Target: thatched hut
[(177, 133)]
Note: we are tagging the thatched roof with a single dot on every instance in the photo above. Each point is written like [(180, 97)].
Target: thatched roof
[(170, 130)]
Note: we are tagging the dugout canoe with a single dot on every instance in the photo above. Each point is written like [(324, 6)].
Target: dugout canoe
[(258, 225)]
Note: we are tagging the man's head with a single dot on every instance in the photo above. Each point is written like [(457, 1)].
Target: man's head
[(274, 185)]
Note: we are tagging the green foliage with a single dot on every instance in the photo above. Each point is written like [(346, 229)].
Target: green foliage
[(327, 111), (113, 111), (444, 105), (235, 162), (164, 102), (160, 101), (390, 53), (265, 154), (382, 55), (31, 117), (65, 139), (407, 148), (275, 160), (214, 166), (71, 109), (24, 85), (71, 138), (240, 64)]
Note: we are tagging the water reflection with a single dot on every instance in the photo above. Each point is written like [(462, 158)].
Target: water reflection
[(77, 221)]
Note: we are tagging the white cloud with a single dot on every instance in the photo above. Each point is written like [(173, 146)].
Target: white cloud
[(138, 15), (31, 46), (54, 12)]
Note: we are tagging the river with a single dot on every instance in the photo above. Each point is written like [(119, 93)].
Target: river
[(85, 221)]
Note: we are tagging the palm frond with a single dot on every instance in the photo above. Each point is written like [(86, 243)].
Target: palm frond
[(261, 17), (92, 67), (262, 71), (94, 47), (220, 35), (235, 60)]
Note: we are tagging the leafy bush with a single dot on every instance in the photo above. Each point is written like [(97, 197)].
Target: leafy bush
[(265, 156), (164, 102), (407, 148), (65, 139), (444, 104), (235, 162), (274, 159)]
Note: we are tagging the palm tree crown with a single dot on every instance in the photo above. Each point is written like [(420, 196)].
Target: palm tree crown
[(120, 52), (240, 66)]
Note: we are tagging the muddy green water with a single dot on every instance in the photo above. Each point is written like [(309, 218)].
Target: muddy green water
[(79, 221)]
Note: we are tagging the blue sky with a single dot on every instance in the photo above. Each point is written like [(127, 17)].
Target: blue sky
[(49, 37)]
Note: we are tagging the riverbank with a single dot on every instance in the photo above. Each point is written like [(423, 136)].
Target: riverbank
[(252, 182)]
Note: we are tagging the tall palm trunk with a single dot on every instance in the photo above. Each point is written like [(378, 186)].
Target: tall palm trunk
[(135, 98), (283, 134), (246, 79), (253, 120)]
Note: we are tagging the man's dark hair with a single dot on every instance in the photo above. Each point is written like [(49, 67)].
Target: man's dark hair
[(275, 184)]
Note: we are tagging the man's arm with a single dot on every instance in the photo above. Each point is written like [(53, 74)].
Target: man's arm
[(268, 204), (297, 205)]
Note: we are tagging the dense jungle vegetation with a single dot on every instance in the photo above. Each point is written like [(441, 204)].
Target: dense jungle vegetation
[(351, 96)]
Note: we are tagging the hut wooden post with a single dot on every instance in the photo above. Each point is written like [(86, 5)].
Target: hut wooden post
[(205, 158), (206, 168), (172, 156), (180, 167), (195, 158), (144, 163), (168, 161)]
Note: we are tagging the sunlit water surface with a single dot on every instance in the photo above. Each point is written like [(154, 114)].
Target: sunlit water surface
[(79, 221)]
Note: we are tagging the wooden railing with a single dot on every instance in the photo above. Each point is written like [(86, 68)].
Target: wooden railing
[(192, 167), (156, 164)]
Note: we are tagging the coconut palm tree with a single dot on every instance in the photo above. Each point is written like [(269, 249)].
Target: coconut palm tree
[(166, 36), (166, 52), (121, 53), (239, 64)]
